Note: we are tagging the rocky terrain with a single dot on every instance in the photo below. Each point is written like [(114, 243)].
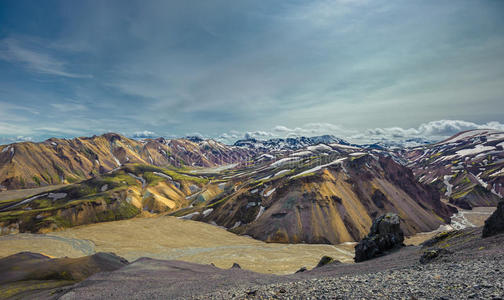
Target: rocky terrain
[(463, 265), (307, 198), (290, 192), (468, 168), (27, 275), (320, 194)]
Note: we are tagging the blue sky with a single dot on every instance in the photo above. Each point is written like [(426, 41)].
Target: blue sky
[(357, 69)]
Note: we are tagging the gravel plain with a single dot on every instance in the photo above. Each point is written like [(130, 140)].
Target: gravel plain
[(474, 279)]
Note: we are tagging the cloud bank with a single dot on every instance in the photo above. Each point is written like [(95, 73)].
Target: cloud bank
[(427, 132)]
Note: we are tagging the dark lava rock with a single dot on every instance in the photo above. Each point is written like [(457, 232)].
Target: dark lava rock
[(385, 234), (440, 237), (325, 260), (431, 254), (495, 223), (301, 270), (235, 266)]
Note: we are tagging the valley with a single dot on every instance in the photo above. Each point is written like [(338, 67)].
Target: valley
[(270, 207)]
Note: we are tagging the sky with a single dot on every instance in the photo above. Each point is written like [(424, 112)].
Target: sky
[(361, 70)]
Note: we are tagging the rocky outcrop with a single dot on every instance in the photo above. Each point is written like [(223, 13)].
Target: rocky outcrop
[(495, 223), (325, 260), (385, 235), (235, 266), (432, 254)]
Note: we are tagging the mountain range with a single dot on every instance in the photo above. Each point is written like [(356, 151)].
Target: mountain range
[(296, 190)]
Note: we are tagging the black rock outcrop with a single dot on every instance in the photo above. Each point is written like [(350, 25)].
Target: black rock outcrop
[(495, 223), (325, 260), (431, 254), (385, 234)]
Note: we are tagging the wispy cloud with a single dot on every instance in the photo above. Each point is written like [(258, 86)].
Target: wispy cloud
[(35, 60), (68, 107), (144, 134)]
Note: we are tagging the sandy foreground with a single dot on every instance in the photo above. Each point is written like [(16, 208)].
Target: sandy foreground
[(170, 238)]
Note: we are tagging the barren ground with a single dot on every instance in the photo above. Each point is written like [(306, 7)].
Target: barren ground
[(170, 238)]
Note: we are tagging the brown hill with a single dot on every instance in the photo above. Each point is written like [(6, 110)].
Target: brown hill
[(26, 274)]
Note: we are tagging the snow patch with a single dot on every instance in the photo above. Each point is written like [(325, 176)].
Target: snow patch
[(357, 153), (284, 161), (236, 225), (261, 211), (163, 175), (301, 153), (24, 202), (56, 196), (206, 212), (268, 193), (282, 172), (189, 216), (319, 147), (497, 173), (344, 146), (476, 150), (337, 161)]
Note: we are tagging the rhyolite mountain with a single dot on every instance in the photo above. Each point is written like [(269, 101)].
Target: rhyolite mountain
[(321, 194), (124, 193), (468, 168), (54, 161), (317, 193)]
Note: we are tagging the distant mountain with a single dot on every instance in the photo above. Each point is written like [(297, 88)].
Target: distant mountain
[(54, 161), (467, 168), (324, 193), (288, 144), (407, 143)]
